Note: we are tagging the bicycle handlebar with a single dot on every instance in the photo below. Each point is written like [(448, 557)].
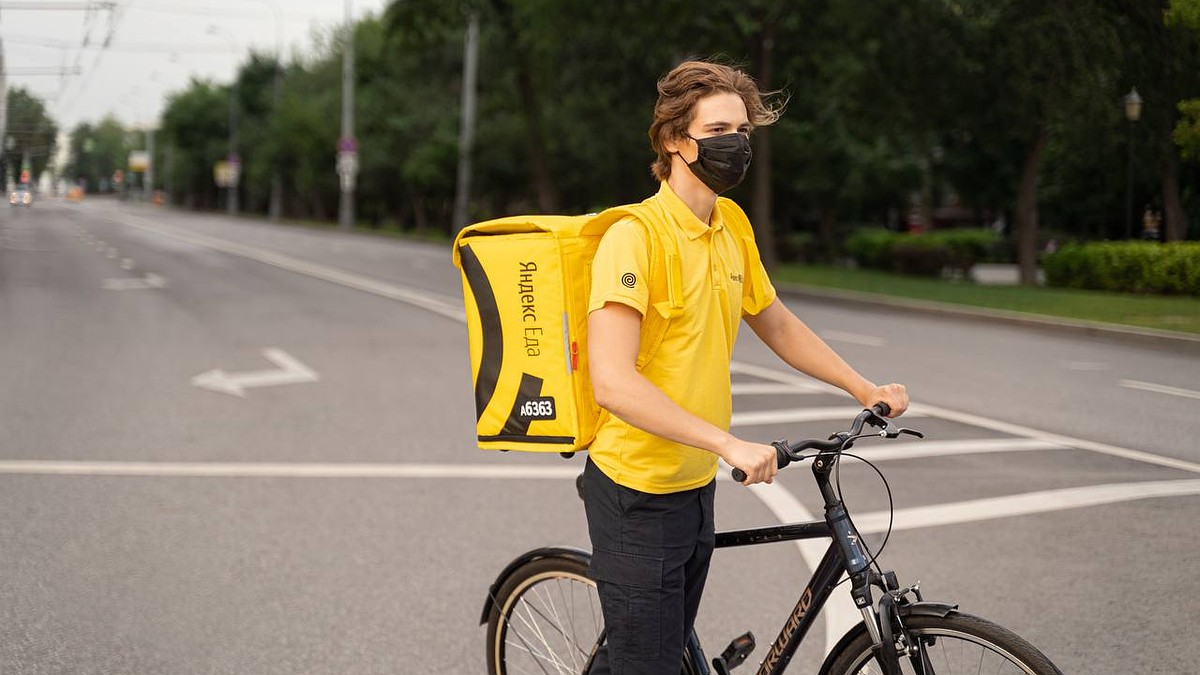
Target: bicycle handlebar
[(786, 453)]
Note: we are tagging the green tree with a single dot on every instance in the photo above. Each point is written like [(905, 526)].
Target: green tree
[(195, 128), (1048, 60), (258, 143), (31, 134), (1185, 15), (97, 151), (1162, 60)]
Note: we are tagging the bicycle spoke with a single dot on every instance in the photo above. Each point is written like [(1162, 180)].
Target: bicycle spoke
[(543, 625), (545, 643), (557, 624)]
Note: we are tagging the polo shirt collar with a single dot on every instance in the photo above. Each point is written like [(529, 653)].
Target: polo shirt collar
[(692, 226)]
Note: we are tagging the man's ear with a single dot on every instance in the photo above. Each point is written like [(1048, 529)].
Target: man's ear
[(675, 144)]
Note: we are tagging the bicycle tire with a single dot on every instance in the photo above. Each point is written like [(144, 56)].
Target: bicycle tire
[(978, 646), (547, 614)]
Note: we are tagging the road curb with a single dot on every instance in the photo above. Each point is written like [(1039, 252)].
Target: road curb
[(1178, 340)]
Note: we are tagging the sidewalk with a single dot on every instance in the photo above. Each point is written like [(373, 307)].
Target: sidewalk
[(1186, 342), (997, 274)]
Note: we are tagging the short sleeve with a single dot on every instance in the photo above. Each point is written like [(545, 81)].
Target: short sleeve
[(621, 267), (757, 293)]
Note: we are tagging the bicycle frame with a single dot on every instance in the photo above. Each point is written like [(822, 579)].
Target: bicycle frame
[(812, 599), (845, 554)]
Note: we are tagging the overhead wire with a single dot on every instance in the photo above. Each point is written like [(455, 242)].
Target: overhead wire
[(116, 12)]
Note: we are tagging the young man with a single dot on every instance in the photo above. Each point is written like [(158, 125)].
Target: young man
[(649, 479)]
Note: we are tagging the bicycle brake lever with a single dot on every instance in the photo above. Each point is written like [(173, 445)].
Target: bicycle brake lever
[(911, 432)]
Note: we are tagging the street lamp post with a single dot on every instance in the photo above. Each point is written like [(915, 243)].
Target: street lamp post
[(347, 145), (234, 162), (1133, 112)]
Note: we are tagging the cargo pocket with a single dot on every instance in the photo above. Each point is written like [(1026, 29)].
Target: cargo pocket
[(631, 596)]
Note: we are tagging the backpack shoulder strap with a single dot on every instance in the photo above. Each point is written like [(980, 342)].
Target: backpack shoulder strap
[(737, 222), (665, 276)]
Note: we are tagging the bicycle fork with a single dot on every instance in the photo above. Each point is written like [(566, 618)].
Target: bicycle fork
[(883, 626)]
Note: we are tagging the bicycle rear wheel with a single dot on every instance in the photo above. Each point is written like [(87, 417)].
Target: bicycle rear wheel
[(545, 618), (956, 644)]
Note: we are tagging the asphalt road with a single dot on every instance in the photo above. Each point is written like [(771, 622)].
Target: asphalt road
[(322, 520)]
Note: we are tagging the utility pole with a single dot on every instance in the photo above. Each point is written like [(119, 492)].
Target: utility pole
[(347, 146), (466, 136), (148, 177)]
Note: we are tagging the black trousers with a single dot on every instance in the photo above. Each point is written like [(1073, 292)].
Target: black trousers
[(650, 556)]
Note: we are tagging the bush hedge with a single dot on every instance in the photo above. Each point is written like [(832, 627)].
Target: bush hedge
[(922, 254), (1127, 266)]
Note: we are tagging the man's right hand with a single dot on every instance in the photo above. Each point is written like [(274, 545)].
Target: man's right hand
[(757, 460)]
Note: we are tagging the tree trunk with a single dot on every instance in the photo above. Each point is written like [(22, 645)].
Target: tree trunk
[(1174, 219), (531, 110), (825, 232), (1027, 211), (420, 218), (761, 201)]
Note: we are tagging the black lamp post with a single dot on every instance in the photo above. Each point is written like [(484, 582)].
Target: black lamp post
[(1133, 112)]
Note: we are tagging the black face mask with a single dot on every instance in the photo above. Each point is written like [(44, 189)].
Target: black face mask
[(722, 161)]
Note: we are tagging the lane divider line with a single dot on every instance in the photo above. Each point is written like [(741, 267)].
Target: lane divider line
[(791, 415), (1057, 439), (761, 388), (925, 449), (284, 469), (853, 338), (285, 262), (1025, 504), (1159, 388)]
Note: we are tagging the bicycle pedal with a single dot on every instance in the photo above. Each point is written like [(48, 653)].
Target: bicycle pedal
[(735, 654)]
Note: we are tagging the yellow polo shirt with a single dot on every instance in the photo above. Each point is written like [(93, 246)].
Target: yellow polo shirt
[(691, 365)]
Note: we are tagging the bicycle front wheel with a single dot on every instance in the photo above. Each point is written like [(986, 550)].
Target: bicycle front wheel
[(956, 644), (545, 618)]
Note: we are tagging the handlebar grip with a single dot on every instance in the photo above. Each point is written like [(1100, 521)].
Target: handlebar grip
[(882, 409), (781, 457)]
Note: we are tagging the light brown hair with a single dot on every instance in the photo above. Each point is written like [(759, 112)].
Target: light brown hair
[(689, 82)]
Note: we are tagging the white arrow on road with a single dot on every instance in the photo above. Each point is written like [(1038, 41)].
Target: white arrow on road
[(151, 280), (290, 371)]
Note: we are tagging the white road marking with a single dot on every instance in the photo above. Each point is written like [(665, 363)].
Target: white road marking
[(922, 449), (449, 310), (764, 417), (1010, 506), (1056, 439), (356, 281), (852, 338), (287, 470), (800, 382), (126, 264), (112, 253), (758, 388), (291, 371), (1160, 388), (150, 280), (1086, 366), (839, 611)]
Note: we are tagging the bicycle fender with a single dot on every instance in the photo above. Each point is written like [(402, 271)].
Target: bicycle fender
[(569, 552), (926, 608)]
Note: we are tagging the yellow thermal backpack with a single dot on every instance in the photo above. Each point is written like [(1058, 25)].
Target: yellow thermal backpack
[(526, 281)]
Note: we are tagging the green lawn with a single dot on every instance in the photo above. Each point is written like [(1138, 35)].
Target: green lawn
[(1148, 311)]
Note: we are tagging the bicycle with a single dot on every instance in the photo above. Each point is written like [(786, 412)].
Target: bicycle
[(543, 614)]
